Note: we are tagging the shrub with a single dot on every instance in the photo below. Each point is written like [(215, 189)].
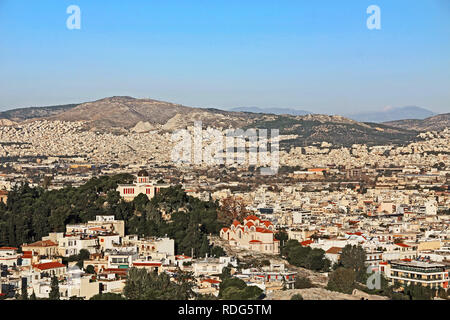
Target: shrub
[(302, 283)]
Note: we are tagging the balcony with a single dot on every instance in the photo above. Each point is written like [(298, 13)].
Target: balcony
[(417, 270)]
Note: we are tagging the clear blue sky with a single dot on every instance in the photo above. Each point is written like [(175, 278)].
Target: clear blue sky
[(313, 55)]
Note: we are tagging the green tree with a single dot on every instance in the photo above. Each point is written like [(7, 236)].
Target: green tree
[(304, 256), (342, 280), (54, 289), (317, 261), (24, 295), (226, 273), (83, 255), (140, 202), (418, 292), (282, 236), (236, 289), (204, 247), (90, 269), (107, 296), (354, 257), (141, 285), (302, 283), (217, 251), (297, 296), (136, 284)]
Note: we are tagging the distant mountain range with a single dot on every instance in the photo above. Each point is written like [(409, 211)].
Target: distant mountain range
[(120, 114), (278, 111), (392, 114), (435, 123), (22, 114)]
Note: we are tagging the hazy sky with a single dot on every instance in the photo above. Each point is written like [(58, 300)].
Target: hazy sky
[(313, 55)]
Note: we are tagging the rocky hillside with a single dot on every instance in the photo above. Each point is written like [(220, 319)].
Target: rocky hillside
[(435, 123), (337, 130), (322, 294), (22, 114), (125, 114)]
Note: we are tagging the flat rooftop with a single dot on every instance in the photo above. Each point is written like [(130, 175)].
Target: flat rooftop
[(418, 264)]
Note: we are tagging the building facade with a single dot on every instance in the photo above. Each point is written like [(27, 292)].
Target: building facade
[(142, 185), (253, 234)]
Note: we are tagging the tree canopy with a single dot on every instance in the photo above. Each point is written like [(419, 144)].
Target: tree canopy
[(31, 213), (142, 285), (305, 256)]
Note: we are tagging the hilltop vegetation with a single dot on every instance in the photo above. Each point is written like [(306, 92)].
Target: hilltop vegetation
[(336, 130), (21, 114), (32, 213)]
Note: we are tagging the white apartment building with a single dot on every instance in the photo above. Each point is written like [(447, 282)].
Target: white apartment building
[(210, 266)]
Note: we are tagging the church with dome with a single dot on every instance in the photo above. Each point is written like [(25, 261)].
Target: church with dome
[(142, 185)]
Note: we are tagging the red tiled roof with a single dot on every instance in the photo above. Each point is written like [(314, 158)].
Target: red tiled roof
[(49, 265), (45, 243), (262, 230), (115, 270), (147, 264), (334, 250), (402, 245), (211, 281), (181, 257), (255, 241), (97, 229), (8, 248), (252, 217), (306, 243), (267, 223)]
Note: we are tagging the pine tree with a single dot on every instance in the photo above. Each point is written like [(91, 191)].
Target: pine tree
[(24, 295), (54, 292)]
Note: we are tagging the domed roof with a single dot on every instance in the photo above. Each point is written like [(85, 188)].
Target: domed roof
[(143, 173)]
